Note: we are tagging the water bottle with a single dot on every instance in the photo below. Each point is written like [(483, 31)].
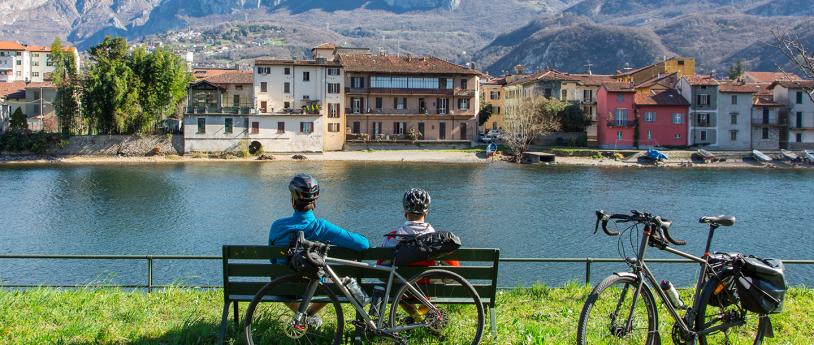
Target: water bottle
[(376, 301), (672, 294), (355, 290)]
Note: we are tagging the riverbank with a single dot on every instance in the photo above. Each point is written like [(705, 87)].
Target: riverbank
[(537, 315), (679, 159)]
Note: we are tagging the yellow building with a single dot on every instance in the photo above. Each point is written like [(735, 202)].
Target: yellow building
[(492, 94), (681, 65)]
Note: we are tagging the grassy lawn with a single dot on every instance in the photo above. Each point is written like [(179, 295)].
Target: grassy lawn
[(537, 315)]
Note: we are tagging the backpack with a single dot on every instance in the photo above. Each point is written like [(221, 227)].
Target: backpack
[(431, 246)]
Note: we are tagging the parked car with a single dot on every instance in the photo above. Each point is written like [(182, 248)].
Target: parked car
[(485, 138)]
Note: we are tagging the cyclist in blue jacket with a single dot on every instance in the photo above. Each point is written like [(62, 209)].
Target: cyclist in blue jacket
[(304, 193)]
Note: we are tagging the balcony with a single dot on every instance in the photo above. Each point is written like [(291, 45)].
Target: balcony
[(588, 101), (464, 93), (621, 123), (404, 91), (759, 122), (411, 112), (241, 109)]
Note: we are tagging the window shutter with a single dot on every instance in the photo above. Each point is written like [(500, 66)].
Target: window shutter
[(395, 102), (302, 126)]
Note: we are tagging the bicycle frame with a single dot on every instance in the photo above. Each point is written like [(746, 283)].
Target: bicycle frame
[(643, 273), (356, 304)]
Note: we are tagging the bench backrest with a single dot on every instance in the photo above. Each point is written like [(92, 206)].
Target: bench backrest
[(247, 268)]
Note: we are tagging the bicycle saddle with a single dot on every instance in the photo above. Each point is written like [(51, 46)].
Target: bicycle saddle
[(718, 220)]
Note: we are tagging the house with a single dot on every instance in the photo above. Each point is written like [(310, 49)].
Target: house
[(680, 65), (735, 103), (768, 127), (305, 98), (615, 126), (491, 92), (391, 96), (661, 116), (702, 92), (32, 63), (754, 77), (798, 101)]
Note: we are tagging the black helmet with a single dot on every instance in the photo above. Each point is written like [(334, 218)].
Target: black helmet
[(304, 187), (416, 201)]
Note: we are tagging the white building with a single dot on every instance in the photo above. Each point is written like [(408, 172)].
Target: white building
[(702, 92), (799, 111), (27, 63)]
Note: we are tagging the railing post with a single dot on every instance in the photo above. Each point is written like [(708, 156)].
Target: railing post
[(149, 273), (588, 270)]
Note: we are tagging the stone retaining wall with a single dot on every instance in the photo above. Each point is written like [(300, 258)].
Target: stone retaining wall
[(127, 145), (353, 145)]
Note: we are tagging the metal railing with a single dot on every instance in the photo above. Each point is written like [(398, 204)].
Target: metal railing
[(150, 259)]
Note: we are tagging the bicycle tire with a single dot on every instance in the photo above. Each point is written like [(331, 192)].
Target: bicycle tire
[(277, 329), (441, 325), (752, 326), (596, 303)]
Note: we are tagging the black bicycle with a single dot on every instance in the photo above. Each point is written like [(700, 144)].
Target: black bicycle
[(315, 315), (622, 308)]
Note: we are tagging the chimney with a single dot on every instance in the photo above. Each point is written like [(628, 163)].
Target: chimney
[(519, 69)]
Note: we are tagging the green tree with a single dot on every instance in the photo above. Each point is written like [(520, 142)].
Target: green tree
[(66, 101), (18, 120), (573, 119), (736, 70), (165, 79)]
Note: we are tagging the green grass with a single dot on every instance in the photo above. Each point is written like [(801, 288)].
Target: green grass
[(536, 315)]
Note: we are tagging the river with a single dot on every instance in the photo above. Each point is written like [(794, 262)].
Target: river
[(526, 211)]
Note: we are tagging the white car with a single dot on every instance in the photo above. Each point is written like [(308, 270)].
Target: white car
[(485, 138)]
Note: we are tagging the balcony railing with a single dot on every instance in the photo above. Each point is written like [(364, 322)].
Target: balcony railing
[(772, 122), (464, 93), (229, 109), (405, 91), (621, 123), (411, 111)]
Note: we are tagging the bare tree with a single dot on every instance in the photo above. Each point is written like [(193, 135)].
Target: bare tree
[(790, 45), (531, 118)]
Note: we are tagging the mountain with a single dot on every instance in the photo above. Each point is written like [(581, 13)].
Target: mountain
[(784, 8)]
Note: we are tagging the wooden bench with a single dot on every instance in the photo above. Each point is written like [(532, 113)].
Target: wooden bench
[(246, 269)]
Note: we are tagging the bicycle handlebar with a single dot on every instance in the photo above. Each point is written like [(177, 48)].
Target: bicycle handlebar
[(662, 225), (306, 244)]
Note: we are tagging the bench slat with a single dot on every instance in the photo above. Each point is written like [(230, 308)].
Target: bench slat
[(274, 270), (266, 252)]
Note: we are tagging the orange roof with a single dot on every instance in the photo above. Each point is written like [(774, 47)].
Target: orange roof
[(400, 64), (10, 88), (326, 45), (794, 84), (766, 101), (9, 45), (619, 87), (701, 80), (232, 77), (202, 73), (668, 81), (663, 97), (276, 61), (592, 79), (734, 87), (768, 77)]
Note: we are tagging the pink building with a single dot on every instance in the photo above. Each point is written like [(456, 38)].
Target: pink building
[(662, 118), (615, 117)]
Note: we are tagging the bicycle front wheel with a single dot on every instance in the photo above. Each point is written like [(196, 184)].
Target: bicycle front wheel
[(437, 306), (724, 323), (274, 323), (615, 314)]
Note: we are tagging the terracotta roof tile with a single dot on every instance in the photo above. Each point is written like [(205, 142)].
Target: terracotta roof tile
[(765, 101), (768, 77), (667, 81), (592, 79), (231, 77), (794, 84), (619, 87), (701, 80), (276, 61), (400, 64), (663, 97), (10, 88), (326, 45), (9, 45), (734, 87)]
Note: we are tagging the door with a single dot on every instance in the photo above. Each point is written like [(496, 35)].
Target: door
[(421, 129), (357, 127), (356, 105), (463, 131), (442, 131)]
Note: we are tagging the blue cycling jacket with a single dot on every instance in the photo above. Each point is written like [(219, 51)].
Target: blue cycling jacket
[(315, 229)]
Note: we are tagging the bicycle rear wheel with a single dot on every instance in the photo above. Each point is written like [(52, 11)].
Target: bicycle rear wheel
[(454, 314), (604, 318), (712, 315), (273, 323)]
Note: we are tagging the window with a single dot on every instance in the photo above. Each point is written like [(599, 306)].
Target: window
[(306, 127), (702, 99), (463, 103), (733, 118), (494, 95), (734, 99), (235, 100), (765, 133), (442, 105), (620, 117), (286, 105), (650, 116), (703, 135), (333, 87), (443, 83), (280, 127), (286, 87), (733, 135), (588, 95), (399, 127), (620, 98), (201, 125), (649, 135), (306, 76), (48, 61), (263, 70), (333, 71), (564, 95), (378, 103), (799, 137), (238, 87), (35, 63), (333, 110), (422, 106), (377, 128), (399, 103), (333, 127), (681, 62), (36, 74), (259, 70), (463, 84), (799, 119), (547, 93), (765, 116), (619, 135), (19, 62), (255, 127), (678, 136), (287, 71), (357, 127), (357, 82), (227, 125), (703, 120), (264, 87), (263, 106), (799, 97)]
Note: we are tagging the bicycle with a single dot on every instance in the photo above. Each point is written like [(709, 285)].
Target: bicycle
[(714, 317), (317, 316)]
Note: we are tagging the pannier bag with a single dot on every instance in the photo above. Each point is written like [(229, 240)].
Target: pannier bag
[(723, 264), (431, 246), (306, 261), (761, 285)]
